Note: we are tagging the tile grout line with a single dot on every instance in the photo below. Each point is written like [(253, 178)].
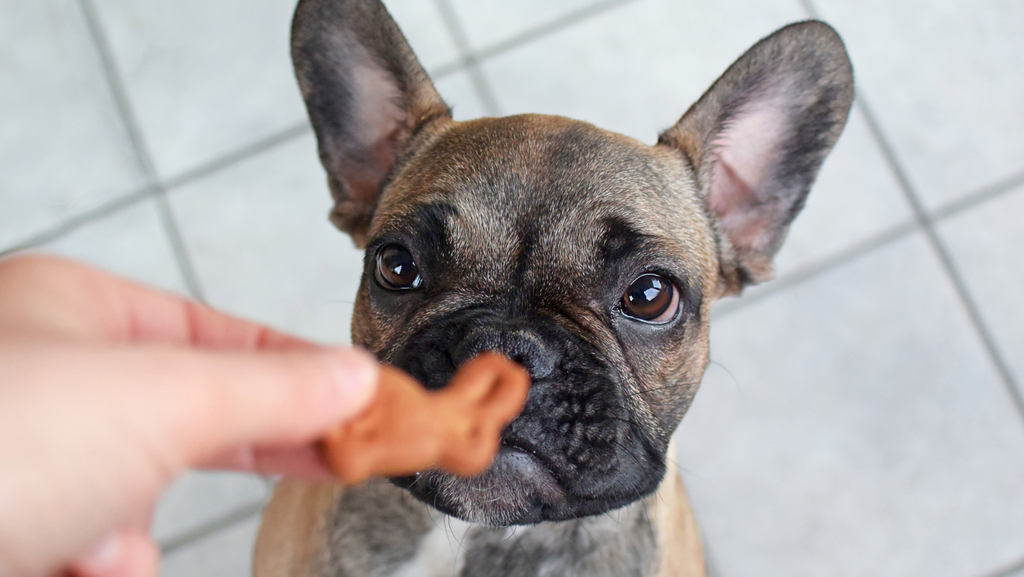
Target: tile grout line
[(530, 35), (1008, 571), (811, 9), (556, 25), (189, 537), (237, 156), (117, 89), (75, 222), (469, 61), (945, 258), (188, 271), (142, 155), (979, 197), (814, 270)]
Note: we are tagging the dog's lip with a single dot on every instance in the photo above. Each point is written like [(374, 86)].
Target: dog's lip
[(510, 446), (538, 475), (507, 448)]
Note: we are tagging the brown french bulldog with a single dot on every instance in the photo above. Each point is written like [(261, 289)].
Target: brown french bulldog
[(590, 258)]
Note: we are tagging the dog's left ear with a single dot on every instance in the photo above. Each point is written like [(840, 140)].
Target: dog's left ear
[(366, 94), (757, 138)]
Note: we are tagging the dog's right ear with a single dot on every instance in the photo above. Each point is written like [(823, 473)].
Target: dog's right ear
[(366, 94)]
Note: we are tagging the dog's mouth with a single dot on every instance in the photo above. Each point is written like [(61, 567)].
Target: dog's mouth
[(523, 486), (518, 489)]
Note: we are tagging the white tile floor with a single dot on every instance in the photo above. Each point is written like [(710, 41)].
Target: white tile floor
[(863, 414)]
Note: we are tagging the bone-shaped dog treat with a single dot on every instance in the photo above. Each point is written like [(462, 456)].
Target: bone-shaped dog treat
[(408, 428)]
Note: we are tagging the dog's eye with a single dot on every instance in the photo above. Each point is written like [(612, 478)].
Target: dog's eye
[(396, 270), (651, 298)]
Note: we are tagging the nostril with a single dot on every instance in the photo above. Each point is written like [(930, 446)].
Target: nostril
[(474, 344), (539, 366), (521, 359), (538, 370), (522, 346), (530, 351)]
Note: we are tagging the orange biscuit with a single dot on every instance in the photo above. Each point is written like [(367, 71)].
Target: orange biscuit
[(408, 428)]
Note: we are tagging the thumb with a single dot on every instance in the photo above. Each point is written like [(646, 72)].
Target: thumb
[(214, 402), (128, 554)]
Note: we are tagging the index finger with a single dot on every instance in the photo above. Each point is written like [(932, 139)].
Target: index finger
[(55, 297)]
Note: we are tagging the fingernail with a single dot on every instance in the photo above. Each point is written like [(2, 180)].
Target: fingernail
[(355, 373), (101, 557)]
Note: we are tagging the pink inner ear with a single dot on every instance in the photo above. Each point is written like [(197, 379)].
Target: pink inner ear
[(378, 105), (380, 118), (744, 155)]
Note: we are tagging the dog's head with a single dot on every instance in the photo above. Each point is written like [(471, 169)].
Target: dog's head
[(589, 257)]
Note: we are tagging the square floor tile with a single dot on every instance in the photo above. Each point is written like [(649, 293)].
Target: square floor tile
[(130, 243), (204, 78), (422, 25), (63, 148), (198, 498), (986, 246), (637, 68), (262, 246), (224, 554), (490, 22), (457, 90), (946, 80), (853, 425)]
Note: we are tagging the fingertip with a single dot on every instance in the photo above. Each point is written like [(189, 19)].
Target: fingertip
[(354, 373), (120, 555)]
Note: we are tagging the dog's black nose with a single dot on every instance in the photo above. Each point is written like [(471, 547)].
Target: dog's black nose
[(522, 346)]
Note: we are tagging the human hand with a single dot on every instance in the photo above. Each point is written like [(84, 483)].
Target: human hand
[(109, 390)]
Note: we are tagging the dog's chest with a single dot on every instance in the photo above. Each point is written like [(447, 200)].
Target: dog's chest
[(593, 549), (413, 540), (441, 551)]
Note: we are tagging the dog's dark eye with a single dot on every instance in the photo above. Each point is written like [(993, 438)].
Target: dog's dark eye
[(651, 298), (396, 270)]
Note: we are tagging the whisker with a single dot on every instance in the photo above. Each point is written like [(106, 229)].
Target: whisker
[(663, 387), (735, 381)]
